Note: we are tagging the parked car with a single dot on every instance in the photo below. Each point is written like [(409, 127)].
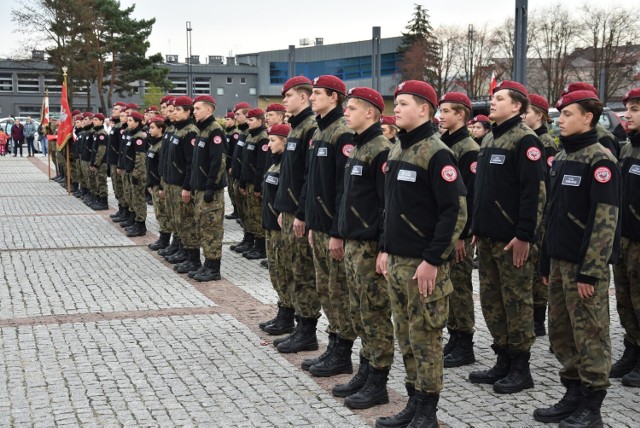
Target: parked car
[(624, 122), (609, 119)]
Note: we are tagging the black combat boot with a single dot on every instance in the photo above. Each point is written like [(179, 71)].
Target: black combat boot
[(117, 213), (565, 407), (495, 373), (161, 243), (172, 248), (519, 376), (405, 416), (588, 412), (124, 216), (338, 362), (632, 378), (462, 354), (264, 263), (374, 391), (539, 315), (451, 344), (258, 252), (210, 271), (78, 193), (192, 262), (179, 256), (101, 204), (74, 187), (263, 324), (283, 322), (296, 332), (244, 245), (426, 407), (304, 339), (308, 362), (627, 362), (234, 215), (356, 382), (139, 229), (130, 221)]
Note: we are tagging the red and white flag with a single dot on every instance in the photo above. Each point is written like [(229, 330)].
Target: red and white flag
[(493, 83), (66, 124), (44, 111)]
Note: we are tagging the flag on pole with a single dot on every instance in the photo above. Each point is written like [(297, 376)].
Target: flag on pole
[(44, 111), (493, 83), (66, 124)]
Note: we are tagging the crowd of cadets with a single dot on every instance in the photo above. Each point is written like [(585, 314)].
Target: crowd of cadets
[(371, 218)]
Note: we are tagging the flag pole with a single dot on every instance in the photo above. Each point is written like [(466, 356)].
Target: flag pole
[(68, 169), (48, 125)]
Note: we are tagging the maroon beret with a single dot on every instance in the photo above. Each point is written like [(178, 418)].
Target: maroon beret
[(132, 106), (276, 107), (152, 108), (367, 94), (157, 118), (98, 116), (330, 82), (295, 81), (456, 97), (230, 115), (539, 101), (282, 130), (579, 86), (137, 116), (436, 121), (87, 114), (480, 118), (241, 105), (514, 86), (255, 112), (77, 117), (633, 94), (119, 104), (75, 112), (166, 99), (574, 97), (418, 88), (205, 99), (183, 101), (388, 120)]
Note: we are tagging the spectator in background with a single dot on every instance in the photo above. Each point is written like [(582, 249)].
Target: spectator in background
[(42, 133), (29, 134), (4, 139), (17, 134)]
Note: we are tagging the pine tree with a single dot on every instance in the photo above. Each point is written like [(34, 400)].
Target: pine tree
[(419, 48)]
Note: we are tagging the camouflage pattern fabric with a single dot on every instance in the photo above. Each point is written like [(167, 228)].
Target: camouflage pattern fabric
[(540, 291), (253, 219), (241, 201), (304, 294), (79, 173), (579, 328), (137, 188), (232, 190), (172, 193), (89, 181), (160, 210), (184, 218), (100, 175), (506, 296), (331, 283), (419, 322), (116, 183), (209, 217), (626, 272), (277, 267), (461, 309), (126, 190), (369, 302)]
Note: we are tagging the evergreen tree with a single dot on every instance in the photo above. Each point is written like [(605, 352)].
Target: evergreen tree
[(419, 48)]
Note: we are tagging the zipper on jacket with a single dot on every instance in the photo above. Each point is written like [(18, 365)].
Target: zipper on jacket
[(176, 167), (324, 207), (412, 226), (578, 223), (293, 198), (634, 212), (504, 213), (357, 214)]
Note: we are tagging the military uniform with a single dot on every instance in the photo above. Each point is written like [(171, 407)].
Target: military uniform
[(153, 181), (232, 134), (608, 140), (208, 180), (331, 145), (236, 171), (85, 157), (98, 162), (113, 152), (136, 173)]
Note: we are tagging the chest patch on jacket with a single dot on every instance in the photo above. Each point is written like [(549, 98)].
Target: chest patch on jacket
[(497, 159), (571, 180), (406, 175), (635, 169), (322, 151), (357, 170)]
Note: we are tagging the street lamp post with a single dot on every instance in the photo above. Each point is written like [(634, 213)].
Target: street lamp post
[(189, 57), (470, 40)]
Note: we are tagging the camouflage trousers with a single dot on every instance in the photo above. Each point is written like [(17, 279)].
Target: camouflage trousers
[(278, 267), (627, 275), (331, 283), (160, 210), (579, 328), (183, 215), (253, 222), (89, 183), (461, 308), (73, 168), (126, 190), (505, 296), (100, 181), (209, 217), (241, 203), (369, 302), (419, 322), (231, 189), (137, 189), (61, 161), (298, 253), (540, 291), (79, 173), (116, 183)]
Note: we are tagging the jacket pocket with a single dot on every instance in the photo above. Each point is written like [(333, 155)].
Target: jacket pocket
[(293, 198), (412, 226), (324, 207), (634, 212), (503, 212), (176, 167), (576, 221), (357, 214), (273, 211)]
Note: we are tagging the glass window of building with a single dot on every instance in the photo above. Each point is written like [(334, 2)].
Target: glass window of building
[(29, 83), (6, 82)]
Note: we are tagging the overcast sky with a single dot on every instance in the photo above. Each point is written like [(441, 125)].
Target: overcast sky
[(237, 27)]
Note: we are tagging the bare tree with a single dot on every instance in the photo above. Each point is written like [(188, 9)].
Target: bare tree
[(476, 58), (447, 68), (555, 36), (504, 41)]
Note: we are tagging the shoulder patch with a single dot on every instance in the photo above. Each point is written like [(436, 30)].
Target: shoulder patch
[(102, 137), (384, 168), (235, 136), (534, 154), (602, 174), (346, 149), (550, 160), (265, 147), (449, 173), (193, 141), (474, 167), (217, 139), (139, 142)]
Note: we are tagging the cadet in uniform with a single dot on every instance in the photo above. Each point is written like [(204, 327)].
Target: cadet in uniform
[(85, 149), (135, 167), (98, 163), (235, 171), (77, 134), (360, 223), (274, 115), (331, 145), (627, 269), (480, 126), (232, 133), (455, 109), (127, 219), (389, 128), (290, 203), (157, 127), (208, 180), (113, 151), (425, 212), (581, 239), (507, 210), (537, 118)]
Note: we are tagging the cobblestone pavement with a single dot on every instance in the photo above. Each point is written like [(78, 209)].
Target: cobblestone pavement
[(96, 330)]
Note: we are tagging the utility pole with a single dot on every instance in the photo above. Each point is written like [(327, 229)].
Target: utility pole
[(520, 48)]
